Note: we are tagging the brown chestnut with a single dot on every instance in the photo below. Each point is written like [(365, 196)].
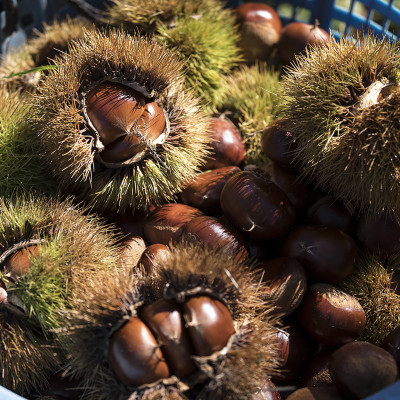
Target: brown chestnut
[(135, 355), (19, 263), (279, 145), (379, 234), (165, 223), (260, 27), (391, 344), (326, 253), (151, 123), (268, 392), (296, 37), (112, 110), (286, 282), (331, 316), (154, 256), (131, 249), (211, 232), (326, 392), (317, 371), (359, 369), (209, 323), (165, 320), (204, 190), (257, 206), (227, 146)]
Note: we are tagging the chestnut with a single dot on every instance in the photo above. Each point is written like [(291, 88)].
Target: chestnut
[(165, 223), (204, 190), (317, 371), (326, 392), (296, 36), (279, 145), (260, 27), (268, 392), (19, 263), (391, 344), (359, 369), (257, 206), (131, 223), (154, 256), (286, 284), (300, 194), (131, 250), (164, 319), (135, 355), (331, 212), (112, 109), (379, 234), (326, 253), (227, 146), (330, 315), (209, 323), (211, 232), (301, 349)]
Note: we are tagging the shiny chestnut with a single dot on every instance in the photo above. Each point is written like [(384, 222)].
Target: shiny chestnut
[(210, 324), (326, 253), (286, 284), (135, 355), (154, 256), (19, 263), (112, 109), (227, 146), (164, 318), (296, 37), (331, 316), (165, 223), (257, 206), (211, 232), (260, 27), (204, 190)]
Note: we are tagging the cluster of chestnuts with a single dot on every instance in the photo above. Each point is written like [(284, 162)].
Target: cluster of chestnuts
[(191, 273)]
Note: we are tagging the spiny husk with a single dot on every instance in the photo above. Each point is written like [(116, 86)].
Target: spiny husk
[(74, 249), (208, 45), (40, 49), (146, 14), (252, 95), (370, 285), (349, 148), (191, 269), (20, 166), (69, 148)]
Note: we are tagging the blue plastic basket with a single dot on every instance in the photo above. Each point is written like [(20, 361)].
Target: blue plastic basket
[(341, 17)]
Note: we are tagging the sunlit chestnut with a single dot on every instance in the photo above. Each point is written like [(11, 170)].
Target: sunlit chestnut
[(135, 355), (268, 392), (165, 320), (131, 250), (210, 324), (19, 263), (326, 253), (379, 234), (279, 145), (112, 109), (296, 37), (154, 256), (286, 281), (257, 206), (151, 123), (330, 212), (260, 27), (330, 315), (165, 223), (359, 369), (227, 146), (204, 190), (211, 232)]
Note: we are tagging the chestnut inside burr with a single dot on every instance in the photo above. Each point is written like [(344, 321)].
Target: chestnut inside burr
[(125, 122), (165, 338)]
